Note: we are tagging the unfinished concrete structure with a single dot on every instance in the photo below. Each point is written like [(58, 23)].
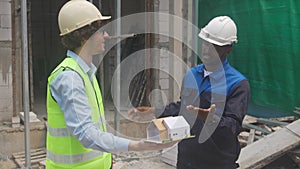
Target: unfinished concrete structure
[(45, 52)]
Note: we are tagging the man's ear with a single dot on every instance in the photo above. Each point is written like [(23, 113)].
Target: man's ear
[(228, 50), (83, 41)]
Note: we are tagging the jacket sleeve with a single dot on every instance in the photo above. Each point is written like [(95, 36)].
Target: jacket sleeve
[(171, 109), (189, 90), (236, 107)]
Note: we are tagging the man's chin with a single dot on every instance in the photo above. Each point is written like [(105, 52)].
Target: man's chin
[(211, 67)]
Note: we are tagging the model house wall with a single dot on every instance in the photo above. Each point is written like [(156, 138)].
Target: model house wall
[(168, 128)]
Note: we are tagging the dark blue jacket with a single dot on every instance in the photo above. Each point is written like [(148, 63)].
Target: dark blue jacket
[(230, 91)]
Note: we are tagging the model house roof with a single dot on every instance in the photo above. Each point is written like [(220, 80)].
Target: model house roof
[(175, 122)]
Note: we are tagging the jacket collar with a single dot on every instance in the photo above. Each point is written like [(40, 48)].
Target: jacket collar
[(217, 74)]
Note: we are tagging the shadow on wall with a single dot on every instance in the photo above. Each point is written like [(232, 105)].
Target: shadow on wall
[(5, 61)]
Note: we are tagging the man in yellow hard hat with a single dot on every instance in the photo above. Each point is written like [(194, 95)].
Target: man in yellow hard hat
[(76, 133), (214, 100)]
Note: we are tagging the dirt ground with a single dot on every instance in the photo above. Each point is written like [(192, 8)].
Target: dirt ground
[(129, 160), (151, 160), (140, 160), (7, 164)]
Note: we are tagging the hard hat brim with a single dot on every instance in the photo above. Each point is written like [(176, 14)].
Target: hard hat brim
[(215, 40), (105, 18)]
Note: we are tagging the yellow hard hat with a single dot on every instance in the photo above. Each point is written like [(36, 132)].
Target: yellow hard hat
[(76, 14)]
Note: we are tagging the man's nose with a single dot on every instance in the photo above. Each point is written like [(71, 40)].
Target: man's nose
[(105, 35), (205, 48)]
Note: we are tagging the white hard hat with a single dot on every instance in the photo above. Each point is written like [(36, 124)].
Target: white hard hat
[(220, 31), (76, 14)]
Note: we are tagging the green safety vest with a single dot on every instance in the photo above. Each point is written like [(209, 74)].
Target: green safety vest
[(64, 150)]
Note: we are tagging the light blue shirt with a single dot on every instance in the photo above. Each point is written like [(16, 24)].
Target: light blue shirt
[(68, 91)]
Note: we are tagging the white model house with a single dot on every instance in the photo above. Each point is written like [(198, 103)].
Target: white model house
[(168, 128)]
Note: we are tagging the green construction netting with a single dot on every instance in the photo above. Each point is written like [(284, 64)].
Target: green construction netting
[(268, 48)]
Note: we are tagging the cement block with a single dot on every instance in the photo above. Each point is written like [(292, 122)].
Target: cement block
[(5, 21), (5, 56), (164, 5), (5, 7), (15, 122), (12, 139), (32, 117), (164, 26), (5, 83), (163, 74), (6, 109), (5, 90), (5, 34), (164, 83), (164, 65)]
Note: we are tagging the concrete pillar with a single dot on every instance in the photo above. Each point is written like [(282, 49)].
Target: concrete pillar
[(177, 67), (6, 87)]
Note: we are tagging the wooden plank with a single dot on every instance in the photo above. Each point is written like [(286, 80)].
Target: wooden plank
[(271, 122), (19, 163), (42, 163), (251, 136), (286, 119), (297, 111), (244, 135), (252, 126), (36, 156), (266, 127), (249, 119), (269, 148), (276, 128), (32, 153)]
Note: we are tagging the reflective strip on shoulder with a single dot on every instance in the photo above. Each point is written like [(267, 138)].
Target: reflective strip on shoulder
[(64, 132), (102, 116), (73, 159)]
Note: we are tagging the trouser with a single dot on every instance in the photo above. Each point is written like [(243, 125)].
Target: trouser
[(182, 166)]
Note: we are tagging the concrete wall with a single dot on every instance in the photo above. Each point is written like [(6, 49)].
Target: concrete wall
[(129, 129), (5, 20), (175, 59), (12, 139), (164, 54), (6, 88)]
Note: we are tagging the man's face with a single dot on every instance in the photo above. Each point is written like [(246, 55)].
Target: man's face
[(96, 43), (101, 37), (210, 56)]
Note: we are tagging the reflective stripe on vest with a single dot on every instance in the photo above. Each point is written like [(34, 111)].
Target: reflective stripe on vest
[(64, 132), (74, 158)]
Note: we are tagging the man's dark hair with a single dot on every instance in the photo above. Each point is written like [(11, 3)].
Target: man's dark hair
[(74, 39)]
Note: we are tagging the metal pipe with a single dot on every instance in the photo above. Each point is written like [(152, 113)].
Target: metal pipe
[(122, 36), (118, 61), (148, 54), (25, 82), (100, 5), (195, 32)]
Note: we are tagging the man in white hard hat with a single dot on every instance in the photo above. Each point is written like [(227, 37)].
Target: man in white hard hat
[(212, 92), (76, 134)]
